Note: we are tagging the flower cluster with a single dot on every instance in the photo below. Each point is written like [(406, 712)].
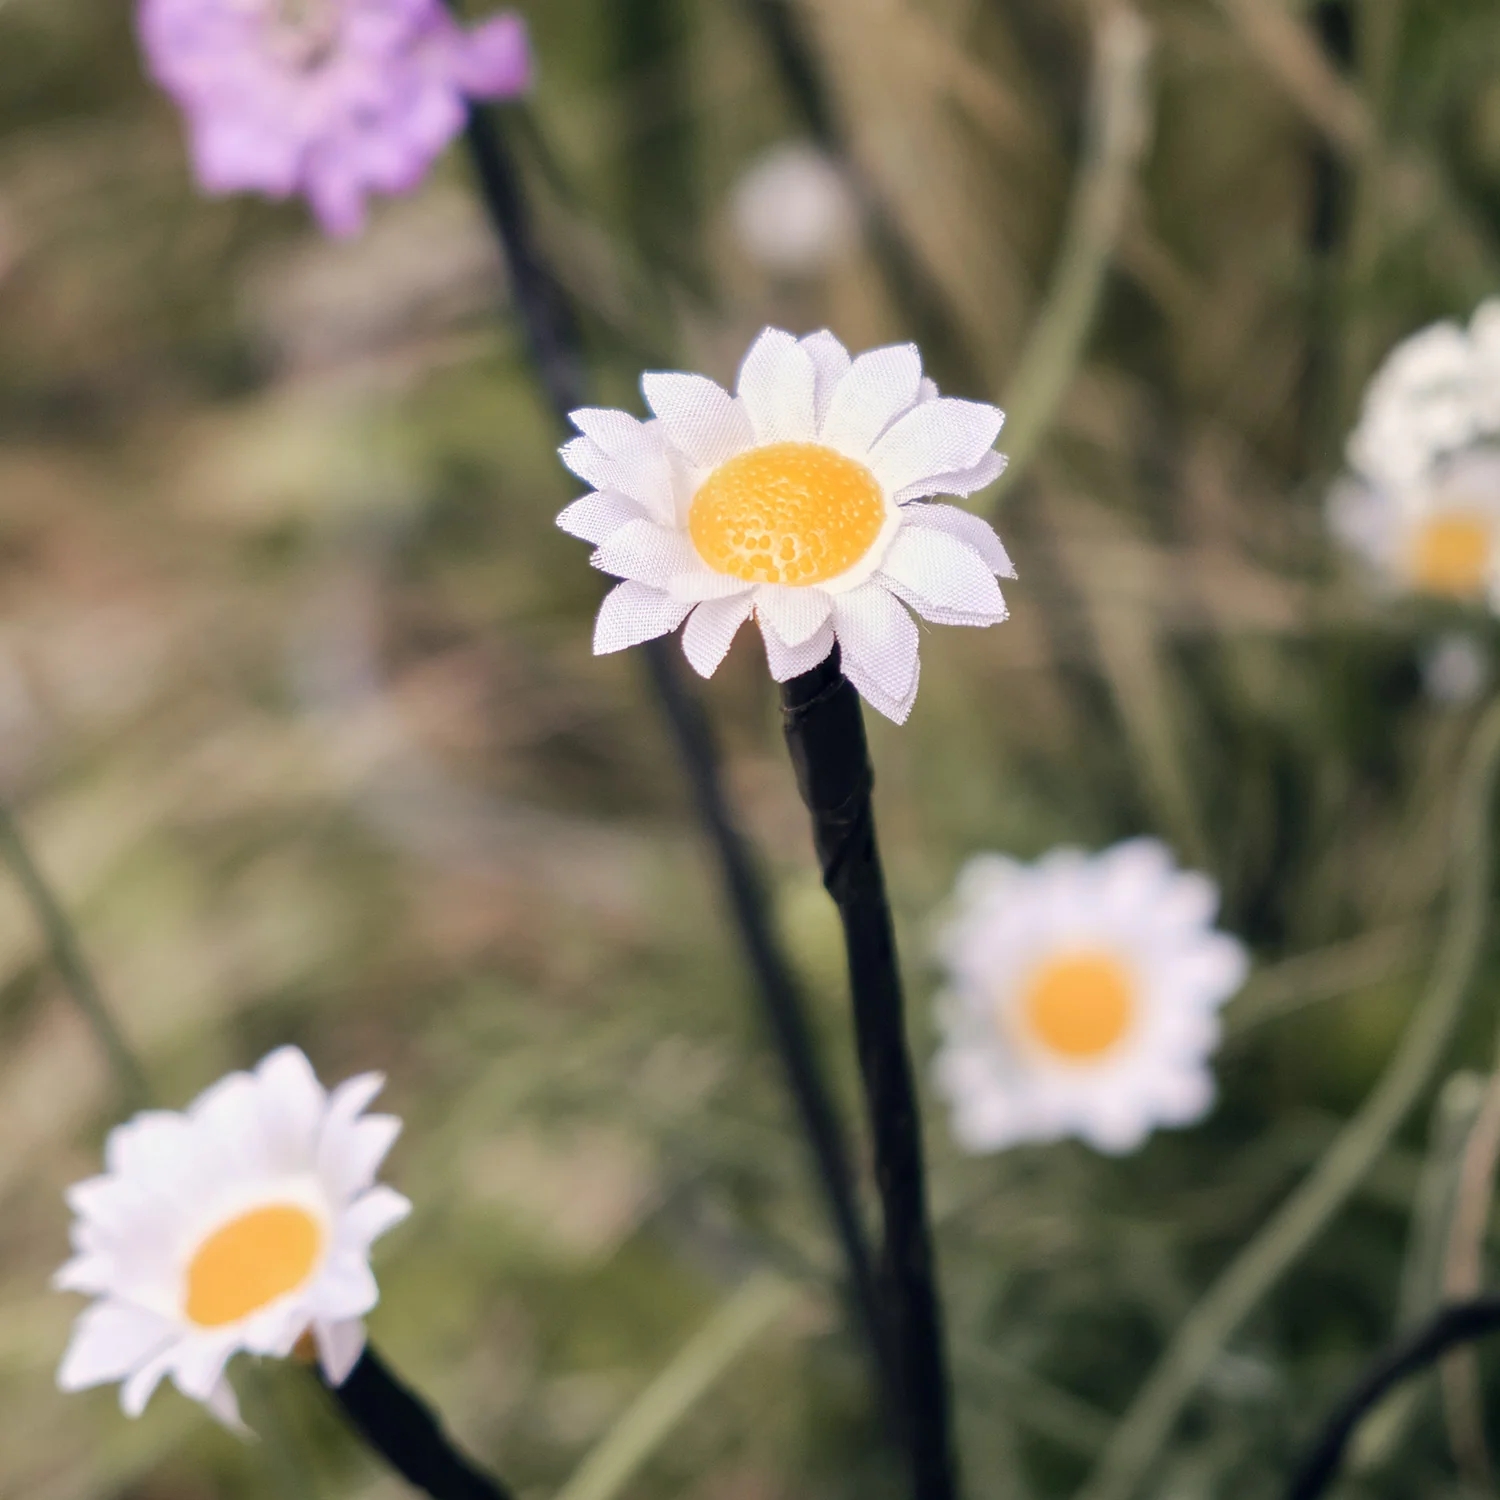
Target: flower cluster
[(1422, 505), (243, 1223), (332, 98), (802, 500), (1082, 997)]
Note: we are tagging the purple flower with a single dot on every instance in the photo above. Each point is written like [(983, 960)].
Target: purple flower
[(331, 98)]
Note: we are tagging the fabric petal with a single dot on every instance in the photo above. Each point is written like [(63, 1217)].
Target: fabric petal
[(711, 629), (642, 475), (878, 641), (341, 1344), (796, 614), (936, 438), (350, 1153), (700, 418), (291, 1103), (373, 1214), (648, 553), (138, 1388), (777, 385), (595, 518), (224, 1406), (347, 1287), (110, 1339), (969, 529), (615, 433), (943, 578), (966, 482), (880, 386), (830, 365), (198, 1364), (786, 661), (632, 613)]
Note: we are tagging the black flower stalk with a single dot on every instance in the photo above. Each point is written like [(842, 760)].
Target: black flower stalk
[(825, 734), (400, 1427), (556, 350), (1460, 1323)]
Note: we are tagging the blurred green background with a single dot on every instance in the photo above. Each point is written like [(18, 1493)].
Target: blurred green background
[(297, 705)]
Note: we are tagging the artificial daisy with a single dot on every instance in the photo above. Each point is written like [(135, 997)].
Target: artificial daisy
[(801, 500), (1422, 505), (244, 1222), (1082, 997)]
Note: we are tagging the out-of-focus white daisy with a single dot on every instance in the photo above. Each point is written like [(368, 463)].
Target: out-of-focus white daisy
[(243, 1223), (803, 500), (1456, 670), (1083, 996), (793, 210), (1422, 505)]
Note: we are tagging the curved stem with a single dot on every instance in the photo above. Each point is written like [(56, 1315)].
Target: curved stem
[(1149, 1422), (68, 958), (825, 735), (672, 1394), (399, 1426), (1451, 1327)]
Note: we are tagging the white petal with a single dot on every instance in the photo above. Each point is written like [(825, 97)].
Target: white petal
[(110, 1339), (967, 482), (136, 1391), (700, 418), (371, 1215), (597, 517), (350, 1154), (795, 614), (347, 1287), (226, 1116), (645, 476), (616, 433), (90, 1273), (703, 583), (648, 553), (711, 629), (969, 529), (943, 578), (778, 385), (633, 613), (927, 390), (198, 1364), (938, 437), (225, 1408), (786, 661), (291, 1103), (878, 642), (340, 1343), (145, 1143), (880, 386), (830, 365)]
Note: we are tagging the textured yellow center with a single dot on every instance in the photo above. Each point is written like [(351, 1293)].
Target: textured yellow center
[(249, 1262), (1080, 1005), (1451, 555), (793, 513)]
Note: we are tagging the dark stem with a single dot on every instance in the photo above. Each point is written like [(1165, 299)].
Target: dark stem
[(68, 958), (1451, 1326), (825, 734), (399, 1426), (552, 333)]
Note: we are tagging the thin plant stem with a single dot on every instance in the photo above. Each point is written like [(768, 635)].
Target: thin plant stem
[(1118, 129), (691, 1373), (67, 956), (1149, 1422), (402, 1429), (552, 334), (825, 735), (1450, 1328)]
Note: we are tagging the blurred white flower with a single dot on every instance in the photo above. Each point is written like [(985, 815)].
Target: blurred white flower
[(1082, 999), (794, 211), (1456, 670), (1422, 505), (801, 500), (243, 1223)]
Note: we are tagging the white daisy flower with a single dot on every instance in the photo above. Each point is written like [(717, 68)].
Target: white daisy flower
[(1422, 505), (1082, 998), (803, 500), (244, 1222)]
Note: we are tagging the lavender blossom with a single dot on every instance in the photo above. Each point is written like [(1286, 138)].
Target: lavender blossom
[(331, 98)]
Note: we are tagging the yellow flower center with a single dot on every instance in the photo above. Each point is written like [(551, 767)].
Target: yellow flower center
[(794, 513), (1079, 1006), (1451, 555), (250, 1262)]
